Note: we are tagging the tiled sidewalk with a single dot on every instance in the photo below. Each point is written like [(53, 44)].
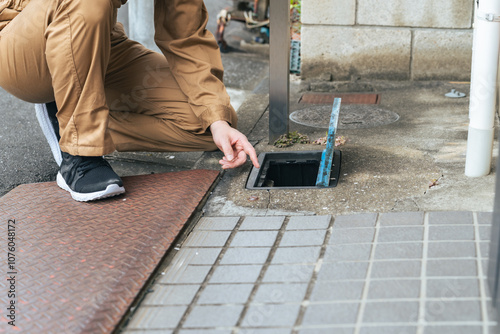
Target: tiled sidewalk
[(404, 273)]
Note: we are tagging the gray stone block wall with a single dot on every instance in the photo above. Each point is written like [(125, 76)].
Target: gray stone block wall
[(393, 40)]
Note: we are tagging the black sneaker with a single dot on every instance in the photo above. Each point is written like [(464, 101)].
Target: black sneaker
[(88, 178), (46, 115)]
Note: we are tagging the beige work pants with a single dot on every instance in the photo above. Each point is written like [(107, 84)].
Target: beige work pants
[(111, 92)]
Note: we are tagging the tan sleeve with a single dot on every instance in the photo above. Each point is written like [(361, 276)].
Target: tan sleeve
[(194, 58)]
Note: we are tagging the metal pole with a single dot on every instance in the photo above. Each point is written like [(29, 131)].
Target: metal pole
[(279, 86), (483, 88)]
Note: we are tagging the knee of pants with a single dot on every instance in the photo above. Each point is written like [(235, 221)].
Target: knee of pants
[(94, 12)]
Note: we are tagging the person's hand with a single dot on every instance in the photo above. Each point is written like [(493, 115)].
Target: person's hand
[(233, 144)]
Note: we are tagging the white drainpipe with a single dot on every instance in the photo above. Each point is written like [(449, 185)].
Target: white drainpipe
[(483, 88)]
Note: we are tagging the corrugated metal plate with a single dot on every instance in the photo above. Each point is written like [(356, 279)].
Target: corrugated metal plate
[(80, 265)]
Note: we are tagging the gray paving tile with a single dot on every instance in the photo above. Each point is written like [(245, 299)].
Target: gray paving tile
[(451, 268), (451, 232), (485, 233), (271, 315), (236, 274), (484, 248), (386, 312), (389, 330), (330, 314), (343, 270), (411, 250), (451, 217), (337, 291), (296, 255), (265, 331), (452, 249), (171, 295), (359, 220), (148, 331), (393, 289), (281, 293), (352, 235), (205, 331), (462, 329), (213, 316), (262, 223), (402, 218), (397, 234), (246, 255), (485, 218), (254, 239), (455, 310), (327, 330), (185, 274), (303, 238), (452, 288), (393, 269), (225, 294), (288, 273), (217, 223), (207, 239), (347, 252), (157, 317), (198, 255), (308, 223)]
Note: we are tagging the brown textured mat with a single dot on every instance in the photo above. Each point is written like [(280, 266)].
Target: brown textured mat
[(77, 267)]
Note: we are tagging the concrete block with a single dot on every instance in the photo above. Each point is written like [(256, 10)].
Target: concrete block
[(281, 293), (225, 294), (254, 239), (423, 13), (451, 217), (485, 217), (303, 238), (204, 316), (360, 52), (451, 232), (308, 222), (455, 310), (393, 269), (395, 251), (246, 255), (442, 55), (157, 317), (324, 314), (236, 274), (384, 312), (388, 330), (289, 273), (402, 218), (453, 288), (185, 274), (359, 220), (352, 235), (462, 329), (338, 12), (451, 249), (396, 234), (171, 295), (393, 289), (270, 315), (262, 223), (217, 223), (348, 252), (198, 255), (337, 291), (456, 268), (296, 255), (207, 239), (343, 271)]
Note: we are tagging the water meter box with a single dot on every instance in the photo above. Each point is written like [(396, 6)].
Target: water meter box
[(291, 170)]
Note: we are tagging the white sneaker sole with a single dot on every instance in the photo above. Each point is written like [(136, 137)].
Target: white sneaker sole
[(111, 190), (43, 119)]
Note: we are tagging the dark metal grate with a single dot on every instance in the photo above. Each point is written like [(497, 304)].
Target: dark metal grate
[(80, 265), (347, 98)]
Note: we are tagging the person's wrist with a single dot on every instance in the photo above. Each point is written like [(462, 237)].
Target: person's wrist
[(217, 125)]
